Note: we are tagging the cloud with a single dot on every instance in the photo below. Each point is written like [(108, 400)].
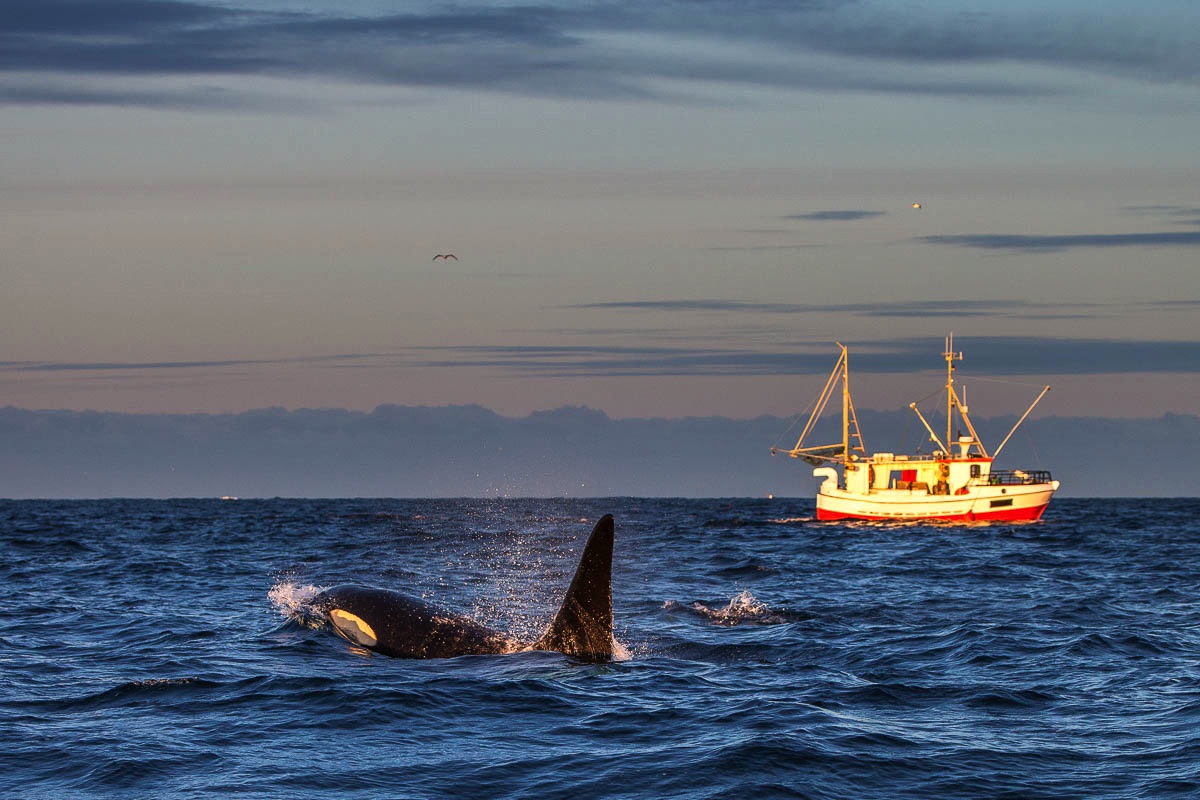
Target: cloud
[(1163, 209), (995, 355), (1064, 356), (694, 305), (1028, 243), (184, 98), (1185, 305), (578, 49), (140, 366), (469, 451), (668, 353), (762, 248), (835, 216), (129, 39), (1180, 215), (906, 308)]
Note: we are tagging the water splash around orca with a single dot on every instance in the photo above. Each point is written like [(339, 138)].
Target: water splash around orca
[(401, 626)]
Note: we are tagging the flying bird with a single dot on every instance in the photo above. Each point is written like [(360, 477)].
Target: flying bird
[(917, 206), (445, 256)]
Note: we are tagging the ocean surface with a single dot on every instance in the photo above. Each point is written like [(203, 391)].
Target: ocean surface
[(155, 649)]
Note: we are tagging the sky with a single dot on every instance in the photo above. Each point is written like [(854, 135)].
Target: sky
[(658, 210)]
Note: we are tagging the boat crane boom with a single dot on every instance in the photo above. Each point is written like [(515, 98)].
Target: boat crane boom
[(1022, 419), (932, 436)]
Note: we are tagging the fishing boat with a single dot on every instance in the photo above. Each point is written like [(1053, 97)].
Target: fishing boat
[(954, 483)]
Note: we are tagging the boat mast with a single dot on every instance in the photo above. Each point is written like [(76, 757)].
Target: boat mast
[(818, 410), (849, 417), (845, 401), (850, 430), (951, 397)]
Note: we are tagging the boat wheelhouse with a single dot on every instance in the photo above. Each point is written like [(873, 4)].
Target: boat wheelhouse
[(956, 482)]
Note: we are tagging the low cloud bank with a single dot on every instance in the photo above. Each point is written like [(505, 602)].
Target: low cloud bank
[(470, 451)]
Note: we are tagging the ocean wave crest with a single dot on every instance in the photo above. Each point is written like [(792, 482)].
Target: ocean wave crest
[(743, 609)]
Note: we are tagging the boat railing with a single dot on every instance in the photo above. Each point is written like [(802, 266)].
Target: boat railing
[(1010, 477), (888, 458)]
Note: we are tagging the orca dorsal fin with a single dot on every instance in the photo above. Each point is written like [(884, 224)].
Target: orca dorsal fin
[(583, 626)]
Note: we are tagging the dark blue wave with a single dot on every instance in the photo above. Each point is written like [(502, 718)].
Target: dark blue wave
[(148, 648)]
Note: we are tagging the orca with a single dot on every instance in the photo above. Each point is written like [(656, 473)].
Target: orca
[(401, 626)]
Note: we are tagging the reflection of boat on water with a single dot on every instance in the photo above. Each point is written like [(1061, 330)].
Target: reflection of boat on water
[(954, 485)]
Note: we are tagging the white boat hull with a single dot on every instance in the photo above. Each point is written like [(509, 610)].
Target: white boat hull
[(979, 503)]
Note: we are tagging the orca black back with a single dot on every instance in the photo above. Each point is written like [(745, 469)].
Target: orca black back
[(397, 625), (400, 626)]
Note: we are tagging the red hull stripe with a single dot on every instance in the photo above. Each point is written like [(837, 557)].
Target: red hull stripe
[(1005, 515)]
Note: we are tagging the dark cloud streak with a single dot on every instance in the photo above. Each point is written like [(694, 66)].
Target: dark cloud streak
[(557, 50), (138, 366), (992, 355), (1047, 243), (1012, 355), (913, 308), (835, 216)]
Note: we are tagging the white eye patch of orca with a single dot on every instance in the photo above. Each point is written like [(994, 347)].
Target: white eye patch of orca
[(353, 628)]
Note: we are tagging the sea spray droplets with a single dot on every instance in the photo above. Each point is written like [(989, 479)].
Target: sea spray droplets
[(293, 600), (743, 608)]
